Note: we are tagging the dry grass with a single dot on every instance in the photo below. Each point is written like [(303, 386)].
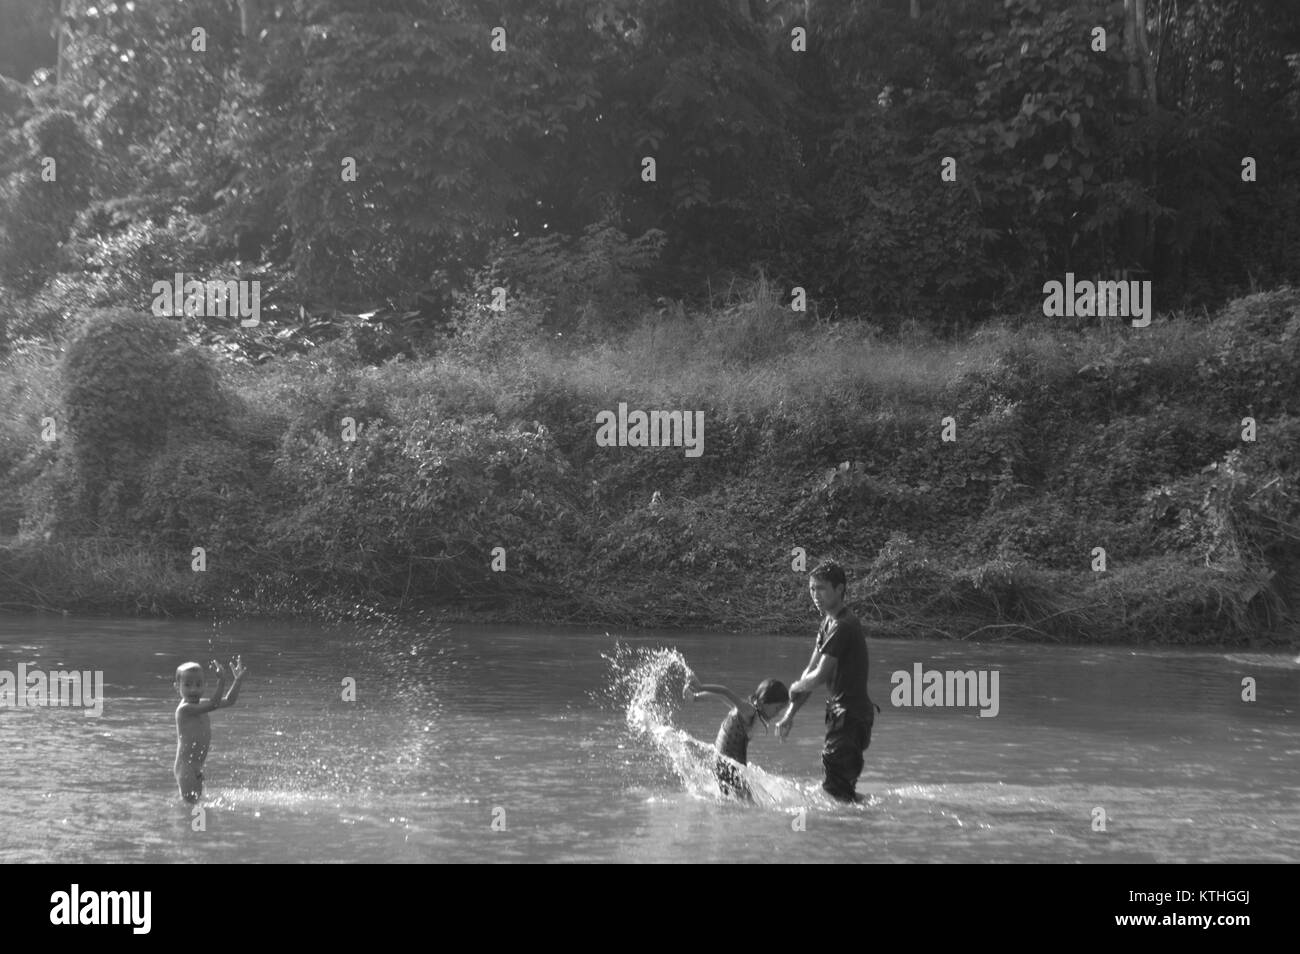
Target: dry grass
[(753, 356), (109, 575)]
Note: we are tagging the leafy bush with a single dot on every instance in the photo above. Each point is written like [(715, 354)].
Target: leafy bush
[(484, 336), (198, 406), (56, 501), (44, 314), (421, 504), (35, 214), (116, 401), (201, 493), (1254, 365), (131, 259), (126, 391), (586, 283)]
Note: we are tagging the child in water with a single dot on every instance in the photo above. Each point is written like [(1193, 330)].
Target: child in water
[(193, 730), (732, 745)]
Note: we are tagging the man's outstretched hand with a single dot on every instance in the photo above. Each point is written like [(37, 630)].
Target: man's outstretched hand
[(786, 721), (782, 727)]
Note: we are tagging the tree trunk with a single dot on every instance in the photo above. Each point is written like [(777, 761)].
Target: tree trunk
[(1144, 52), (250, 27), (250, 18), (1138, 230), (1131, 54), (62, 35)]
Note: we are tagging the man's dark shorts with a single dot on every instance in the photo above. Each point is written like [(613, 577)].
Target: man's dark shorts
[(847, 737)]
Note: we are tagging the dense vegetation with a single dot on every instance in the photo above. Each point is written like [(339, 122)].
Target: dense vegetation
[(127, 440), (825, 438)]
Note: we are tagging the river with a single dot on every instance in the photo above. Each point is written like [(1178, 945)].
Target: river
[(512, 743)]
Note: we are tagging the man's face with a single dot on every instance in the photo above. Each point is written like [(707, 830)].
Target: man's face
[(825, 597)]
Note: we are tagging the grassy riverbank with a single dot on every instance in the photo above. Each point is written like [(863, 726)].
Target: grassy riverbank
[(827, 438)]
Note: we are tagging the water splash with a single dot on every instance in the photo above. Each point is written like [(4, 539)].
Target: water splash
[(648, 684)]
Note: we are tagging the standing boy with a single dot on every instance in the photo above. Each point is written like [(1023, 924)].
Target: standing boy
[(193, 728)]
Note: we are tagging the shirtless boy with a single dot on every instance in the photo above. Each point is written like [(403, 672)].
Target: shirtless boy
[(193, 730)]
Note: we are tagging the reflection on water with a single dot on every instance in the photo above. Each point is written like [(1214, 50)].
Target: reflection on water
[(514, 743)]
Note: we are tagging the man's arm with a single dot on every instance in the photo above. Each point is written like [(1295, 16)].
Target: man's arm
[(797, 699), (802, 688), (782, 724), (824, 673)]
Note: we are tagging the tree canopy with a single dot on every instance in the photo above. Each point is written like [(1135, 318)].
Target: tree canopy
[(808, 139)]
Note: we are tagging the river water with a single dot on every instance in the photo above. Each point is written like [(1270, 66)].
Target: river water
[(473, 743)]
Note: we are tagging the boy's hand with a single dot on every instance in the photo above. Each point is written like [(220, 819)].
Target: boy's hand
[(216, 665), (692, 687), (237, 669)]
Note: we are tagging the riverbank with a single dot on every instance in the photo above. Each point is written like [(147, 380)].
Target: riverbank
[(1042, 479)]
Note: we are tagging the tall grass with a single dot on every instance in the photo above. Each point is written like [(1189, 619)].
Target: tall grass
[(753, 357)]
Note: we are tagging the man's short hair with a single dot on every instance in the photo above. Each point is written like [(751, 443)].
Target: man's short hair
[(831, 572)]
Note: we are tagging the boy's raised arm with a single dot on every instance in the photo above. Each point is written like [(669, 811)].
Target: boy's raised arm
[(237, 670), (206, 705), (723, 691)]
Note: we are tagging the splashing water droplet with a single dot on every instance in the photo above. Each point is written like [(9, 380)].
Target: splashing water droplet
[(648, 685)]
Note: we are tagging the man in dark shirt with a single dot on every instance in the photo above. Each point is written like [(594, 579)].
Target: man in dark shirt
[(839, 660)]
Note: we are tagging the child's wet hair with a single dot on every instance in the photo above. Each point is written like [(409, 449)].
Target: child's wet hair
[(185, 667), (770, 692)]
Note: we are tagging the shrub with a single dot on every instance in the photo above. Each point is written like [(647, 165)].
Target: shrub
[(35, 214), (418, 504), (44, 314), (127, 391), (483, 336), (197, 404), (1254, 365), (585, 283), (201, 493), (116, 402), (133, 258)]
